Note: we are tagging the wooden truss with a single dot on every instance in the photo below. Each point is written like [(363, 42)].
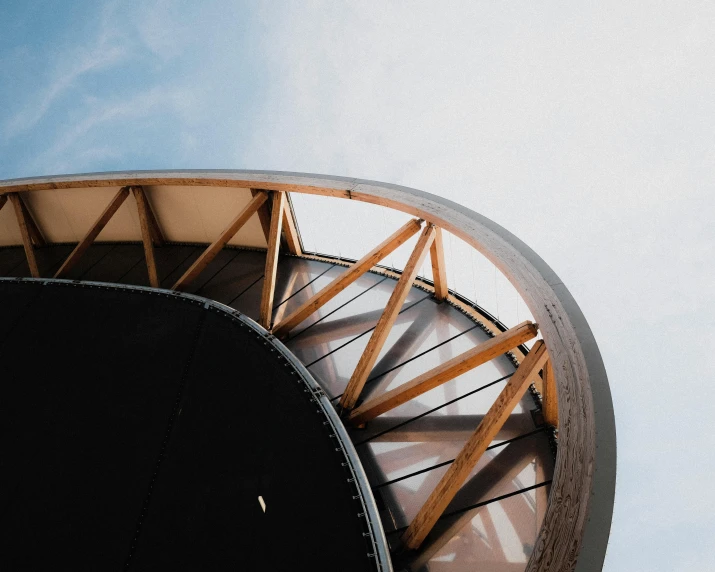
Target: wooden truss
[(277, 221)]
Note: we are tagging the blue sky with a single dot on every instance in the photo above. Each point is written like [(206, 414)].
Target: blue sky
[(588, 129)]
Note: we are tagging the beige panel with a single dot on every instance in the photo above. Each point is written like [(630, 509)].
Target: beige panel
[(176, 210), (199, 214), (185, 214), (9, 231), (65, 215), (46, 209), (217, 206)]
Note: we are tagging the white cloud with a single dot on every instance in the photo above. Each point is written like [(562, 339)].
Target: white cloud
[(589, 131)]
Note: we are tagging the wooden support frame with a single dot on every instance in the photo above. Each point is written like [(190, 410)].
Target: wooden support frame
[(484, 352), (215, 247), (387, 319), (549, 401), (439, 268), (290, 229), (24, 221), (348, 277), (576, 528), (289, 226), (93, 232), (156, 234), (269, 276), (35, 234), (147, 238), (264, 212), (475, 447)]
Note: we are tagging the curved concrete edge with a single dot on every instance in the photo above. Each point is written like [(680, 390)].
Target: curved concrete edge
[(381, 553), (578, 518)]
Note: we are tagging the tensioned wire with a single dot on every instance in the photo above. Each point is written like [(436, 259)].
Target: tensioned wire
[(480, 504)]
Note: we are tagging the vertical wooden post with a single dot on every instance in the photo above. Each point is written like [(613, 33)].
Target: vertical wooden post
[(439, 268), (269, 278), (22, 221), (145, 224)]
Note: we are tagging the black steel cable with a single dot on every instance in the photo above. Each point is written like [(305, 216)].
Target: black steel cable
[(438, 465), (365, 332), (179, 264), (130, 269), (379, 375), (246, 289), (303, 288), (230, 260), (433, 410), (483, 503), (98, 261), (338, 308)]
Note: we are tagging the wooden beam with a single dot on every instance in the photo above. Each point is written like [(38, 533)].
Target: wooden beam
[(35, 234), (439, 268), (549, 404), (269, 276), (484, 352), (387, 319), (93, 232), (143, 209), (23, 223), (210, 253), (492, 480), (475, 447), (156, 234), (348, 277), (264, 212), (290, 230)]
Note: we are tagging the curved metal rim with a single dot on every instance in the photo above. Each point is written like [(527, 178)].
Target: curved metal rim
[(377, 535), (578, 518)]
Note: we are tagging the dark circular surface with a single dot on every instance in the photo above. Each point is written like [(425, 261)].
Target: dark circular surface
[(138, 430)]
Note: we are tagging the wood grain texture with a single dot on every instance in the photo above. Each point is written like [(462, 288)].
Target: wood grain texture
[(36, 235), (269, 277), (156, 233), (348, 277), (494, 479), (439, 268), (387, 319), (475, 447), (22, 222), (93, 232), (264, 212), (145, 225), (484, 352), (577, 522), (550, 406), (217, 245)]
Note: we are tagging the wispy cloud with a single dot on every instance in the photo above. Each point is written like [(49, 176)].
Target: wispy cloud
[(103, 118), (105, 50)]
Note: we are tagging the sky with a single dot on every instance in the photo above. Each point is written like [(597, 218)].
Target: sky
[(585, 128)]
